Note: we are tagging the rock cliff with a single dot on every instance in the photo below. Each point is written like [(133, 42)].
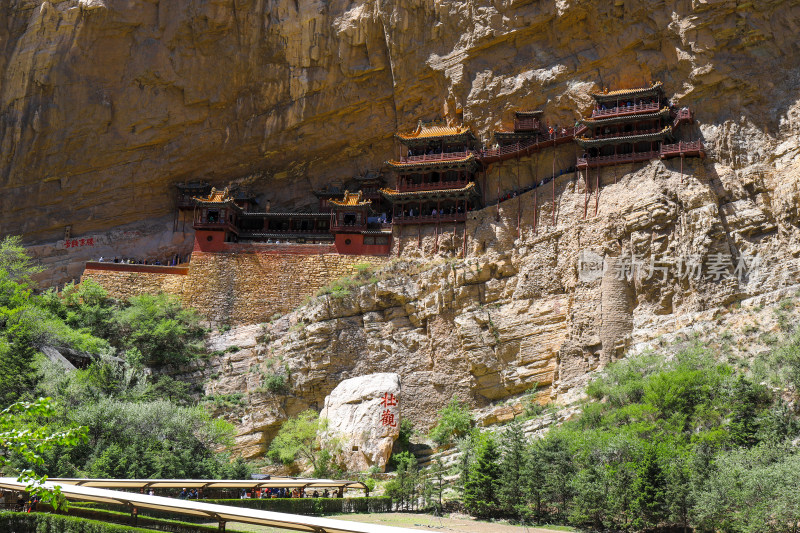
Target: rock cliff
[(105, 104), (524, 312)]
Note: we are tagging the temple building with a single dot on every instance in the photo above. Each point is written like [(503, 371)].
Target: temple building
[(633, 125), (222, 220), (356, 231), (435, 177), (216, 219)]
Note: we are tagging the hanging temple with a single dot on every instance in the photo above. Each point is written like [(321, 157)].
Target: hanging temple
[(437, 177)]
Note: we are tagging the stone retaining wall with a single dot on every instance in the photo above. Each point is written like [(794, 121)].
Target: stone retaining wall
[(233, 288)]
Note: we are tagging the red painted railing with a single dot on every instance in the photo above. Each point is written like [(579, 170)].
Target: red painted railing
[(683, 115), (682, 148), (540, 142), (434, 157), (527, 124), (430, 219), (627, 133), (603, 160), (625, 110), (348, 227), (296, 230), (216, 226), (427, 186)]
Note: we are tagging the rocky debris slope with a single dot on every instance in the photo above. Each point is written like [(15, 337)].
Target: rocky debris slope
[(106, 104)]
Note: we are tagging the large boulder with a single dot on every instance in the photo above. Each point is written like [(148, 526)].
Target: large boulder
[(363, 416)]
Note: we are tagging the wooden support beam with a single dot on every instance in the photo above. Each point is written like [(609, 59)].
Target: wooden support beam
[(586, 192), (554, 182), (597, 193)]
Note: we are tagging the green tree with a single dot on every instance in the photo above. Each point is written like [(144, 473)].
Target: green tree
[(533, 481), (15, 261), (298, 439), (481, 488), (455, 421), (513, 464), (159, 329), (404, 488), (559, 469), (23, 432), (650, 505)]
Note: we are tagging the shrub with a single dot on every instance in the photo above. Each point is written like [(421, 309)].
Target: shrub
[(274, 383), (455, 420), (162, 330)]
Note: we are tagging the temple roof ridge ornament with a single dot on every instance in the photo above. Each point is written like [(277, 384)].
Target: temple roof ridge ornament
[(216, 197), (351, 199)]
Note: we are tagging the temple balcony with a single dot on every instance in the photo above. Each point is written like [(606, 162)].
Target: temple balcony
[(633, 133), (683, 149), (626, 110), (219, 226), (446, 156), (527, 124), (683, 116), (429, 219), (616, 159), (432, 186), (294, 230), (529, 146), (348, 228)]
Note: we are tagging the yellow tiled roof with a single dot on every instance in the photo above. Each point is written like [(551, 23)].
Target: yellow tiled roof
[(628, 91), (216, 196), (434, 130), (351, 199)]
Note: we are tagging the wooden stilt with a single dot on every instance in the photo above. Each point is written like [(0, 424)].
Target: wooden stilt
[(464, 251), (586, 192), (553, 177), (419, 237), (597, 193), (499, 175), (681, 167), (519, 201), (535, 209)]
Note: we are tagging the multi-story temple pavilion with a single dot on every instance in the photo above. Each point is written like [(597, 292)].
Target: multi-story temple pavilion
[(632, 125), (436, 177)]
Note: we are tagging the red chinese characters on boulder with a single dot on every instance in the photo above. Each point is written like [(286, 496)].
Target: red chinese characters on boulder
[(77, 243), (388, 416)]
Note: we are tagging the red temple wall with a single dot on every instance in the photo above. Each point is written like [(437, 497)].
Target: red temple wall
[(353, 244)]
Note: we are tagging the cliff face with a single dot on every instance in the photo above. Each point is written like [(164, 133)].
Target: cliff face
[(531, 311), (107, 103)]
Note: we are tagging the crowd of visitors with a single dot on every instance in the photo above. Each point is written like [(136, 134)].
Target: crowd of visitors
[(263, 493), (175, 260), (18, 501)]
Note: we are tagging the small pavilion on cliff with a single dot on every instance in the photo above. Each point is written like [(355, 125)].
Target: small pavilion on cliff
[(436, 177), (633, 125), (216, 219), (355, 232)]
